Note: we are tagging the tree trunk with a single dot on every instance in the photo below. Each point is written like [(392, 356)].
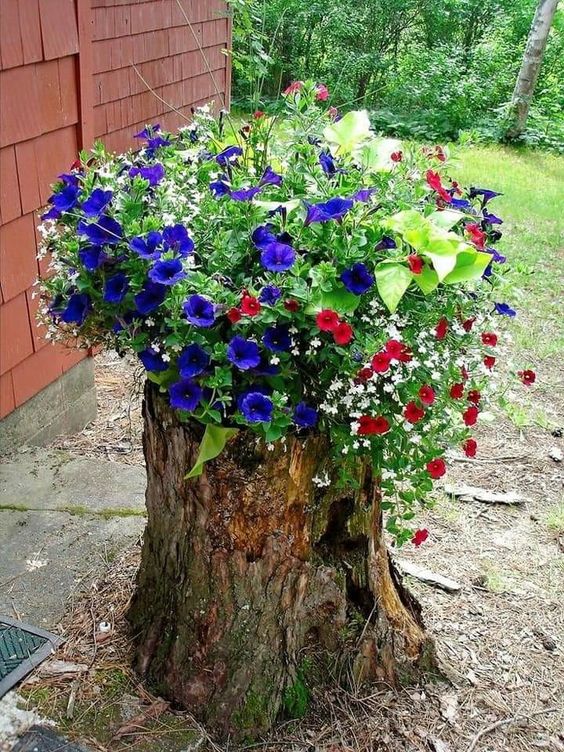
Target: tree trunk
[(249, 569), (530, 68)]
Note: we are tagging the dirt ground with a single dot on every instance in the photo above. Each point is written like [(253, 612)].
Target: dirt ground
[(500, 637)]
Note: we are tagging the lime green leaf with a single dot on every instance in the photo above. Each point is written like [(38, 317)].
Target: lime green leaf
[(213, 441), (339, 300), (375, 155), (469, 265), (427, 281), (444, 263), (446, 219), (392, 281), (273, 205), (349, 131)]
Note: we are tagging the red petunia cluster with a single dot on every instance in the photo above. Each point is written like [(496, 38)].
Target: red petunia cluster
[(434, 181), (370, 426), (329, 321)]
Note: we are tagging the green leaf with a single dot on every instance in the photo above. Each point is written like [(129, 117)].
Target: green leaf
[(446, 219), (444, 263), (339, 300), (213, 441), (349, 131), (469, 265), (392, 281), (427, 281), (375, 155), (273, 205)]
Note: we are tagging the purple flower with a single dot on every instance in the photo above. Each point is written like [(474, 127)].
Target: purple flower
[(154, 139), (52, 213), (305, 416), (77, 309), (92, 257), (243, 353), (484, 193), (499, 258), (167, 271), (385, 244), (199, 311), (148, 131), (104, 231), (491, 219), (153, 174), (357, 279), (270, 294), (505, 310), (219, 188), (277, 257), (460, 203), (277, 338), (147, 247), (150, 297), (185, 395), (335, 208), (97, 202), (152, 360), (192, 361), (115, 288), (65, 199), (176, 238), (263, 236), (327, 163), (256, 407), (364, 194), (69, 178), (245, 194), (228, 155), (269, 177)]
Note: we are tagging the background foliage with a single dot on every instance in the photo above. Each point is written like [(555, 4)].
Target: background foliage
[(432, 69)]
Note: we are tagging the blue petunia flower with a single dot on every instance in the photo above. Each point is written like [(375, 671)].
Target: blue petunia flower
[(154, 139), (305, 416), (327, 163), (334, 209), (92, 257), (153, 174), (66, 199), (265, 368), (243, 353), (97, 202), (176, 238), (69, 178), (228, 155), (357, 279), (257, 407), (199, 311), (192, 361), (150, 297), (484, 193), (505, 310), (104, 231), (460, 203), (263, 236), (153, 360), (77, 309), (385, 244), (270, 294), (491, 219), (115, 288), (185, 395), (277, 338), (219, 188), (147, 247), (269, 177), (498, 257), (245, 194), (123, 320), (167, 271), (364, 194), (51, 213), (277, 257)]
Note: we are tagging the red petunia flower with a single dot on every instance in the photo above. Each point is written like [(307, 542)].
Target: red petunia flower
[(415, 263), (413, 413), (250, 305), (489, 338), (234, 315), (294, 87), (291, 305), (457, 391), (373, 425), (258, 114), (321, 93), (527, 376), (364, 374), (381, 362), (489, 361), (396, 156), (439, 153), (343, 333), (477, 235), (327, 320), (397, 350), (474, 396), (468, 324), (470, 447), (434, 181), (441, 329), (427, 395), (436, 468), (419, 537), (470, 415)]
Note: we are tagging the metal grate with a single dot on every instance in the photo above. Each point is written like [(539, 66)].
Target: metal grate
[(22, 647)]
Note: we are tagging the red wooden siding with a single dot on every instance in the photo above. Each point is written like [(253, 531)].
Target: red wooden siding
[(67, 78)]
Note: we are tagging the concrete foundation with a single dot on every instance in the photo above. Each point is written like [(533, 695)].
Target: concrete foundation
[(63, 407)]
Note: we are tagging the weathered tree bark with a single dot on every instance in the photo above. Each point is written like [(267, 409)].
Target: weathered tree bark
[(530, 68), (249, 568)]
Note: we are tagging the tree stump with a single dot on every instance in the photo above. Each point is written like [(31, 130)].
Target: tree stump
[(250, 567)]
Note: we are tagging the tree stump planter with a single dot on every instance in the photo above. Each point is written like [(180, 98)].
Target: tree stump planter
[(248, 568)]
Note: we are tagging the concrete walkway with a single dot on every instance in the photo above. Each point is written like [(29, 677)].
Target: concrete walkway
[(62, 518)]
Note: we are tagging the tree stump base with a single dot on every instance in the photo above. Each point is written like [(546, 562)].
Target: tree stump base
[(249, 568)]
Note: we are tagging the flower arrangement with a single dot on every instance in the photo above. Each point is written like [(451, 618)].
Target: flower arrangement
[(296, 274)]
